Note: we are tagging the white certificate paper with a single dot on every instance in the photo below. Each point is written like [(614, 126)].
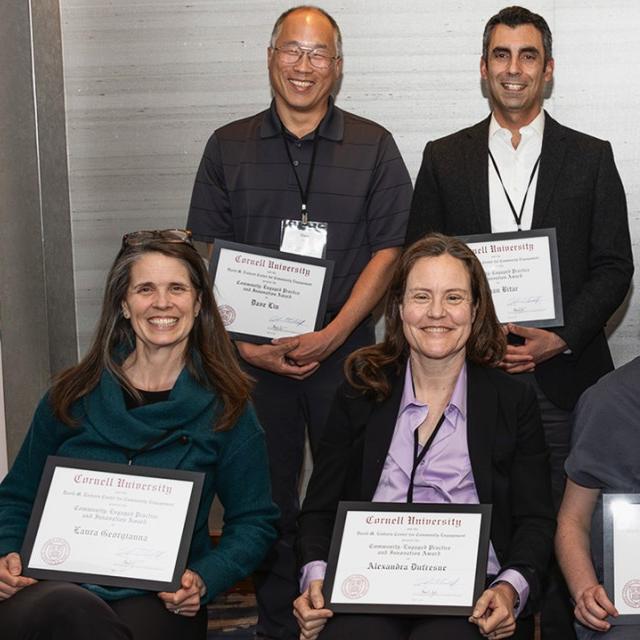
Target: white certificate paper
[(622, 537), (523, 273), (410, 561), (110, 527), (263, 294)]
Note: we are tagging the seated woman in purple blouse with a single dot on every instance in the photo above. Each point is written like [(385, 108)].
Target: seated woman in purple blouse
[(433, 381)]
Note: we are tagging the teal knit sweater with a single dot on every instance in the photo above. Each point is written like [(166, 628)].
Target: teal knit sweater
[(234, 463)]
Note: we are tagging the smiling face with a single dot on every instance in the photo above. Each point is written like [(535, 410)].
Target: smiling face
[(301, 90), (161, 302), (516, 73), (437, 310)]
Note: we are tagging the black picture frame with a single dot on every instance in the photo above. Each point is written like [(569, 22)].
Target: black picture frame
[(52, 463), (608, 499), (221, 245), (550, 233), (422, 508)]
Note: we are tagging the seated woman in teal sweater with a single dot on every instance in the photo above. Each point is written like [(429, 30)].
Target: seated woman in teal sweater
[(160, 387)]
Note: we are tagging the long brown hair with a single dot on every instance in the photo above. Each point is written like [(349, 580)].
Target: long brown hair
[(209, 356), (366, 368)]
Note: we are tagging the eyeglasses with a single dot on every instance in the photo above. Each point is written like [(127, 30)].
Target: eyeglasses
[(318, 58), (171, 236)]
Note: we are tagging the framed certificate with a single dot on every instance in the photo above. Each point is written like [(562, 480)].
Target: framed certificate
[(264, 294), (111, 524), (621, 527), (407, 558), (524, 276)]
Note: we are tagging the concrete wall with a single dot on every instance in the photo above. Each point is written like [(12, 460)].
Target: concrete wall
[(37, 308), (146, 83)]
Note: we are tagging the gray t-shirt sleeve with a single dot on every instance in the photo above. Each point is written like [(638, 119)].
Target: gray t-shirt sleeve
[(606, 433)]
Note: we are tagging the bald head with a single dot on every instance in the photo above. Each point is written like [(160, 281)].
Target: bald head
[(277, 27)]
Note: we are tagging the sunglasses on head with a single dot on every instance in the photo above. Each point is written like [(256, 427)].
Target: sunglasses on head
[(172, 236)]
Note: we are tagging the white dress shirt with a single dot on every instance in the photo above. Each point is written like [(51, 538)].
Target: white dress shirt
[(515, 167)]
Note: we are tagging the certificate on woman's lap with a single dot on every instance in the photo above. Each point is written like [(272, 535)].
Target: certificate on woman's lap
[(111, 524), (407, 558)]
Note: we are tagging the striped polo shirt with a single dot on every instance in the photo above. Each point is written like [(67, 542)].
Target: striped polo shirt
[(246, 185)]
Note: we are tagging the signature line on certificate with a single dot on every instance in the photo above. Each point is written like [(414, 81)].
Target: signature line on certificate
[(427, 586), (297, 322)]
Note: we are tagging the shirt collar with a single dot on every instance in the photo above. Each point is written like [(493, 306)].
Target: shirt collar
[(330, 127), (458, 397), (536, 126)]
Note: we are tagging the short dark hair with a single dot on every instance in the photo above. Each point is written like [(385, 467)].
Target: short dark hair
[(277, 27), (514, 17), (366, 368)]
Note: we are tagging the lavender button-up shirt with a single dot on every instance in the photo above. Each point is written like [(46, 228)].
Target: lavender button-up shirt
[(443, 477)]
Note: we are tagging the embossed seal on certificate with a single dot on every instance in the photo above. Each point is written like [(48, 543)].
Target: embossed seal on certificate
[(227, 313), (55, 551), (355, 586), (631, 593)]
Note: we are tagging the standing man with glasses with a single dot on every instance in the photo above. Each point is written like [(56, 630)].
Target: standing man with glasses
[(304, 160), (520, 169)]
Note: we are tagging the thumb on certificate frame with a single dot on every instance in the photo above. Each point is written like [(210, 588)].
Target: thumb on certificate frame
[(315, 594), (519, 330), (187, 579), (14, 564)]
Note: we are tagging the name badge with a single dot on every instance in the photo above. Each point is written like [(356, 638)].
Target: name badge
[(304, 238)]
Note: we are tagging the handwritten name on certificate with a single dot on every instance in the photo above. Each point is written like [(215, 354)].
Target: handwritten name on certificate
[(408, 558), (523, 273), (264, 294), (111, 524)]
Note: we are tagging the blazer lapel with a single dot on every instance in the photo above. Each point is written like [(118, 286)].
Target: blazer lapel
[(482, 404), (553, 151), (477, 165), (378, 435)]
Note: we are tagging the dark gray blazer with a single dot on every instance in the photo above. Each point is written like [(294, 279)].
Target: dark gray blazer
[(508, 460), (578, 192)]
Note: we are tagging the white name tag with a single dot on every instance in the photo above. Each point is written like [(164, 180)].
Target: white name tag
[(304, 238)]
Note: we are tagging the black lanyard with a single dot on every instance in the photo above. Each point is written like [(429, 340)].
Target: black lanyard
[(304, 194), (516, 217), (419, 457)]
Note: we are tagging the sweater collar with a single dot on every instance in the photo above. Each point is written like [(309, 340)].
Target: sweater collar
[(106, 410)]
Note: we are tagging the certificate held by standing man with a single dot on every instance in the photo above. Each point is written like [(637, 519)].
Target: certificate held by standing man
[(524, 276), (264, 294)]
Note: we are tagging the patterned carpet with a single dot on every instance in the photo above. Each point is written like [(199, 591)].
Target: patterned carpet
[(232, 615)]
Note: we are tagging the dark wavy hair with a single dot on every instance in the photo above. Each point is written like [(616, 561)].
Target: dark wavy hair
[(209, 355), (515, 17), (366, 369)]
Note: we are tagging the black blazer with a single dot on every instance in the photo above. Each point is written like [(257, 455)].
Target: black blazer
[(578, 192), (508, 460)]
